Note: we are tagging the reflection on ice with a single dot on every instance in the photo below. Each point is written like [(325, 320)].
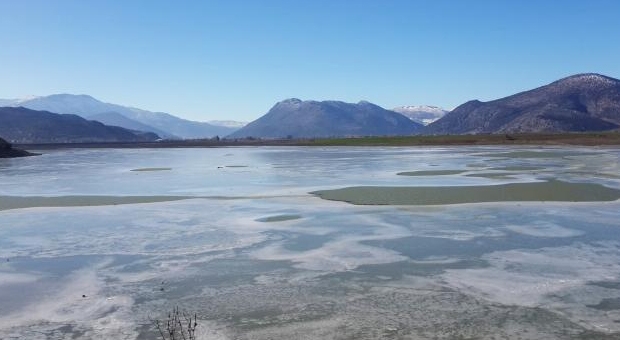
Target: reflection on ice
[(554, 277), (544, 229)]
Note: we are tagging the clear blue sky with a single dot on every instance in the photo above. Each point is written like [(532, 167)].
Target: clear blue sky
[(230, 59)]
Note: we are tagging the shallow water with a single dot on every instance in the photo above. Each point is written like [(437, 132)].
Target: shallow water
[(91, 248)]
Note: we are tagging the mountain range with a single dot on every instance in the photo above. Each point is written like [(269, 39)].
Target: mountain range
[(163, 124), (294, 118), (582, 102), (22, 125)]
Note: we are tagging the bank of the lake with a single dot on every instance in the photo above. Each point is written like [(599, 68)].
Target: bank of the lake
[(577, 139)]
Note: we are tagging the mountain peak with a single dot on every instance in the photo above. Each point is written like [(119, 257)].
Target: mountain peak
[(581, 102), (591, 75), (368, 105), (320, 119), (419, 108), (69, 96), (291, 101), (587, 80), (26, 98), (423, 114)]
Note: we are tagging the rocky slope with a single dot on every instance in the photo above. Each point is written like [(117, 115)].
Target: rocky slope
[(583, 102), (25, 126), (308, 119)]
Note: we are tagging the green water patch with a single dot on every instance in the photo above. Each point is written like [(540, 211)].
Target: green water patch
[(493, 175), (20, 202), (279, 218), (150, 169), (431, 173), (518, 168), (551, 190)]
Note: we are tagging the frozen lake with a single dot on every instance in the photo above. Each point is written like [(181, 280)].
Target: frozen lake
[(312, 243)]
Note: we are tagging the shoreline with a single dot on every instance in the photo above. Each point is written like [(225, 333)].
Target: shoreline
[(576, 139)]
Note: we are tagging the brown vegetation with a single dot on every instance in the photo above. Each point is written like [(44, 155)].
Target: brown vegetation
[(586, 139)]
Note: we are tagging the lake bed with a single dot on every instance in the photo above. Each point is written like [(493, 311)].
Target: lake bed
[(423, 243)]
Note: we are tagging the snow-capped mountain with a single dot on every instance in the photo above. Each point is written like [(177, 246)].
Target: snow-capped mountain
[(15, 102), (423, 114)]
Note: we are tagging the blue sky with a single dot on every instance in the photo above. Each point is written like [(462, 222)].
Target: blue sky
[(206, 60)]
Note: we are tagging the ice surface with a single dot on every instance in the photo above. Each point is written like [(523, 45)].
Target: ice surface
[(258, 257)]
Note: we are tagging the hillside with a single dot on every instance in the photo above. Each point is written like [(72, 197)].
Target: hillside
[(163, 124), (583, 102), (309, 119), (7, 150), (25, 126), (116, 119)]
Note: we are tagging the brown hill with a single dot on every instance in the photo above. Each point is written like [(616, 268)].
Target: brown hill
[(583, 102)]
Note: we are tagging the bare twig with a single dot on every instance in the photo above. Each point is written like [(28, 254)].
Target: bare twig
[(174, 326)]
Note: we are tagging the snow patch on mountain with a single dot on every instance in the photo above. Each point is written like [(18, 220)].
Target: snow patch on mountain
[(228, 123), (423, 114)]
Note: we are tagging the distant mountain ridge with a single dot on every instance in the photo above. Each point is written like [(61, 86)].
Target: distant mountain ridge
[(116, 119), (313, 119), (582, 102), (26, 126), (164, 124), (423, 114)]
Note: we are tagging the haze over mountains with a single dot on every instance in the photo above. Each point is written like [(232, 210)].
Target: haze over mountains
[(163, 124), (294, 118), (22, 125), (583, 102)]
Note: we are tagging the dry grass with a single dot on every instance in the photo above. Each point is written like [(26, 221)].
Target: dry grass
[(585, 138)]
